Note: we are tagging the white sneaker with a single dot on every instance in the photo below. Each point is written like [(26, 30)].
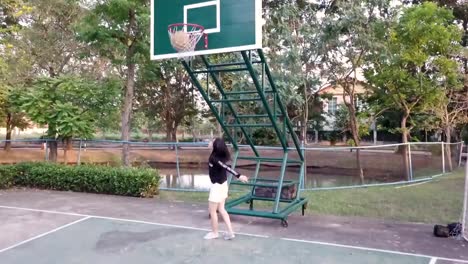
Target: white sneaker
[(228, 236), (211, 235)]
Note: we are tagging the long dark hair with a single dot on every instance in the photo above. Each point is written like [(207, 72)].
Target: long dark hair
[(220, 151)]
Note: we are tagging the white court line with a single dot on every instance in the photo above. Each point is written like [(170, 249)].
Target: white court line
[(433, 261), (122, 220), (245, 234), (374, 249), (44, 234)]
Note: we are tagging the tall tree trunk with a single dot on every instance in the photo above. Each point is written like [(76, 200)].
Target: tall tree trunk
[(150, 135), (171, 132), (168, 133), (448, 150), (174, 134), (465, 60), (357, 140), (129, 88), (9, 129), (194, 135), (305, 116), (126, 113), (404, 139), (53, 150), (68, 147)]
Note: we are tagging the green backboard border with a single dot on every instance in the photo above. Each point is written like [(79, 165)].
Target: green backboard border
[(256, 45)]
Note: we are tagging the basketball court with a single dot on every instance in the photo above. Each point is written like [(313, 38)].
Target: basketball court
[(62, 227)]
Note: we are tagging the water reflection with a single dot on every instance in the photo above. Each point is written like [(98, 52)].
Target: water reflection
[(198, 178)]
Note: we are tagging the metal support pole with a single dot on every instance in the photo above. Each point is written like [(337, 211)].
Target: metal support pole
[(443, 158), (410, 162), (280, 182), (177, 160), (79, 153), (465, 203), (304, 165), (461, 154), (47, 150)]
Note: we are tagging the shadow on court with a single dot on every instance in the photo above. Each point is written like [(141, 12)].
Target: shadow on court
[(59, 227)]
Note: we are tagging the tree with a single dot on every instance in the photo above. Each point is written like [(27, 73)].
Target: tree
[(349, 36), (48, 41), (451, 109), (10, 13), (15, 66), (69, 106), (460, 11), (16, 71), (119, 30), (165, 93), (403, 74), (293, 38)]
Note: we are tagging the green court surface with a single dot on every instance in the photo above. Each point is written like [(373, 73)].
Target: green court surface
[(95, 239)]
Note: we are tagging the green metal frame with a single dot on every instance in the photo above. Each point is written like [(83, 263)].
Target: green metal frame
[(265, 93)]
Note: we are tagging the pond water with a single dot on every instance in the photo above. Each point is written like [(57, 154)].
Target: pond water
[(198, 179)]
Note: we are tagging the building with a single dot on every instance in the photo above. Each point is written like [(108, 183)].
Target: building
[(331, 105)]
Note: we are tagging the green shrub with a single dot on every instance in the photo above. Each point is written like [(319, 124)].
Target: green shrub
[(7, 176), (84, 178)]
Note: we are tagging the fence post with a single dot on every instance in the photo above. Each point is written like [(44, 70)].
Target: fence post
[(79, 153), (461, 144), (47, 150), (304, 179), (410, 161), (443, 158), (177, 160)]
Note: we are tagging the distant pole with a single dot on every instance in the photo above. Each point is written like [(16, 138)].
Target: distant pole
[(443, 158), (79, 153)]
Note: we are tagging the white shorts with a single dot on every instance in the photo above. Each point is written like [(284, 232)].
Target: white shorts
[(218, 192)]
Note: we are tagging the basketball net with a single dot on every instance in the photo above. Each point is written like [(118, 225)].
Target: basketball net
[(185, 37)]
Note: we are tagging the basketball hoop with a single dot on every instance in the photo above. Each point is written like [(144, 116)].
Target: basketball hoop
[(184, 38)]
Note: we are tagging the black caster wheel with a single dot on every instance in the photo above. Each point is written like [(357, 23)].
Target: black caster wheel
[(284, 223)]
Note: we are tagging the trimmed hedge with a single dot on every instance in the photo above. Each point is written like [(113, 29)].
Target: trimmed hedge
[(136, 182)]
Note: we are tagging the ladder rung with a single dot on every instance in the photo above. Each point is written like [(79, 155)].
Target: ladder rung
[(257, 116), (269, 159), (248, 125), (220, 70), (264, 183), (230, 64), (236, 100), (247, 92)]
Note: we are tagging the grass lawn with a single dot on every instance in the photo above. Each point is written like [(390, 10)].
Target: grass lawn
[(439, 201)]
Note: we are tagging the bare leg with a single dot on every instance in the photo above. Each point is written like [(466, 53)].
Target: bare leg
[(225, 216), (214, 217)]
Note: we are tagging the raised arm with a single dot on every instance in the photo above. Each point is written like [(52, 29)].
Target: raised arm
[(233, 172)]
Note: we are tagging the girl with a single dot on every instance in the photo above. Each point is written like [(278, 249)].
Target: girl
[(219, 190)]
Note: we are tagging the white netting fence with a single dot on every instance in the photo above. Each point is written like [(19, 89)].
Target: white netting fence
[(465, 203)]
